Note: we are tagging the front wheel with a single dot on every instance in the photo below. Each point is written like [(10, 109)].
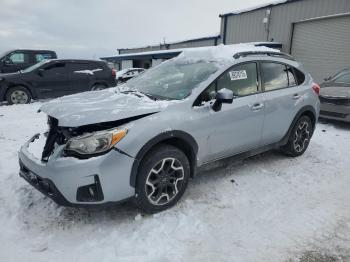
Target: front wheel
[(162, 178), (299, 138), (18, 95), (98, 87)]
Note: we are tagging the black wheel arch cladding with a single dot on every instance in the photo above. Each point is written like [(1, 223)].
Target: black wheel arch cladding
[(306, 110), (177, 138)]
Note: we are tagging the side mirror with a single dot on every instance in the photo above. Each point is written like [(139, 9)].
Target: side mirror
[(41, 72), (7, 61), (223, 96), (327, 79)]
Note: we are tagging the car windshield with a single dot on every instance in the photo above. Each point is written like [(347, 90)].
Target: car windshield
[(173, 80), (33, 67)]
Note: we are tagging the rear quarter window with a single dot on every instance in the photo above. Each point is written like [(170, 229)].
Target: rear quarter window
[(300, 77)]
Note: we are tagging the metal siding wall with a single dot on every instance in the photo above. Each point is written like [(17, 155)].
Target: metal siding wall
[(246, 27), (323, 46), (220, 40), (282, 16)]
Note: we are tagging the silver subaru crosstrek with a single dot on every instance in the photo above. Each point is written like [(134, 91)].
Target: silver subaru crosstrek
[(145, 139)]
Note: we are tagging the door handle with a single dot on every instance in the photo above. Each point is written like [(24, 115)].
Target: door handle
[(257, 107), (296, 96)]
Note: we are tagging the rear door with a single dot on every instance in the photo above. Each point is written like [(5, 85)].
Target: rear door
[(52, 80), (81, 75), (237, 127), (283, 98)]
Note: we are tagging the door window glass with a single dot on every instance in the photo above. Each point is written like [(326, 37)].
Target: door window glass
[(241, 79), (274, 76), (78, 67), (19, 58), (343, 79), (56, 68)]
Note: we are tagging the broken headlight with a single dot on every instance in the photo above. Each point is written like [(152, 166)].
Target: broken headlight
[(95, 143)]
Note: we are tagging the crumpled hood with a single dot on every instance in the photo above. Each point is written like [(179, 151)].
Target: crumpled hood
[(336, 91), (100, 106)]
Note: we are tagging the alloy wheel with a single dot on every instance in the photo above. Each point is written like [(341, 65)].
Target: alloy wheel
[(164, 181), (302, 136)]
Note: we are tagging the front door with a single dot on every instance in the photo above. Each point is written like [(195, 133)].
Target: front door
[(16, 61), (52, 80), (236, 127)]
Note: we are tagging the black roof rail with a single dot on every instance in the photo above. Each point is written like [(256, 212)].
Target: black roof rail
[(268, 53)]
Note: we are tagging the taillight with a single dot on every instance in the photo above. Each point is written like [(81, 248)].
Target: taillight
[(316, 88), (114, 73)]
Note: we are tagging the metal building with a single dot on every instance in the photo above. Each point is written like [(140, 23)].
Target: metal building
[(147, 56), (315, 32)]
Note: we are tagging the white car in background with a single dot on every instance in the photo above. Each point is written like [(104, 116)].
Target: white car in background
[(126, 74)]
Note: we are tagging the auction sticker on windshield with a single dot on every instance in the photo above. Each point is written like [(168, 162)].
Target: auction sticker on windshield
[(238, 75)]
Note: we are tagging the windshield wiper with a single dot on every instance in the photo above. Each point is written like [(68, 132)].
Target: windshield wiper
[(150, 96), (137, 93)]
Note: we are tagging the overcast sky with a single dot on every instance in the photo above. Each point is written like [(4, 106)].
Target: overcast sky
[(95, 28)]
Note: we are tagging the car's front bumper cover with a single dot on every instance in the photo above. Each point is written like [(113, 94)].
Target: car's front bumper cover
[(63, 178), (335, 112)]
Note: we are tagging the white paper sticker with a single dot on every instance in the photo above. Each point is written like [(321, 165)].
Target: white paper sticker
[(238, 75)]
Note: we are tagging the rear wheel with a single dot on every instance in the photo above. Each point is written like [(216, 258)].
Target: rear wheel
[(18, 95), (299, 138), (162, 178), (98, 87)]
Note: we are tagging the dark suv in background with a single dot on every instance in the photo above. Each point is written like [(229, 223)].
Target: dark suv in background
[(16, 60), (55, 78)]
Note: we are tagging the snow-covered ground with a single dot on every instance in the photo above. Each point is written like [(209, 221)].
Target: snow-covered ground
[(268, 208)]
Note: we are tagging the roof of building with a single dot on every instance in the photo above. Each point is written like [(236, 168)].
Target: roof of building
[(175, 42), (158, 54), (272, 3)]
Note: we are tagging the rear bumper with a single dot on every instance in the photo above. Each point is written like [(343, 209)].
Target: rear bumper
[(335, 112), (67, 180)]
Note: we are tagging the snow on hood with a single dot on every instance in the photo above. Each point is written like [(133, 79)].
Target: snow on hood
[(100, 106)]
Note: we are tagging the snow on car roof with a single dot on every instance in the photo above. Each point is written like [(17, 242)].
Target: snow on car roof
[(220, 52)]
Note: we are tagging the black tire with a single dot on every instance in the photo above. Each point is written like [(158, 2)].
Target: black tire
[(98, 87), (18, 95), (299, 137), (168, 184)]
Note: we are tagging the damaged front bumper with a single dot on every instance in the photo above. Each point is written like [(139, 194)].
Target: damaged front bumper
[(78, 182), (335, 112)]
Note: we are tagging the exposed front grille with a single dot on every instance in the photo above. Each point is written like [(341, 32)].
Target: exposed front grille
[(52, 136), (335, 101), (333, 114)]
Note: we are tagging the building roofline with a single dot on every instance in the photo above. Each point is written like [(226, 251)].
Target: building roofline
[(157, 54), (176, 42), (275, 3)]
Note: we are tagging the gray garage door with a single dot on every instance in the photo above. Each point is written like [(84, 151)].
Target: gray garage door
[(322, 45)]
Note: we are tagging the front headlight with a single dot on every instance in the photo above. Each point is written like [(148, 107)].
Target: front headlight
[(95, 143)]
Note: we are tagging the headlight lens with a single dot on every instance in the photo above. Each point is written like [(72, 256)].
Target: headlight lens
[(95, 143)]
